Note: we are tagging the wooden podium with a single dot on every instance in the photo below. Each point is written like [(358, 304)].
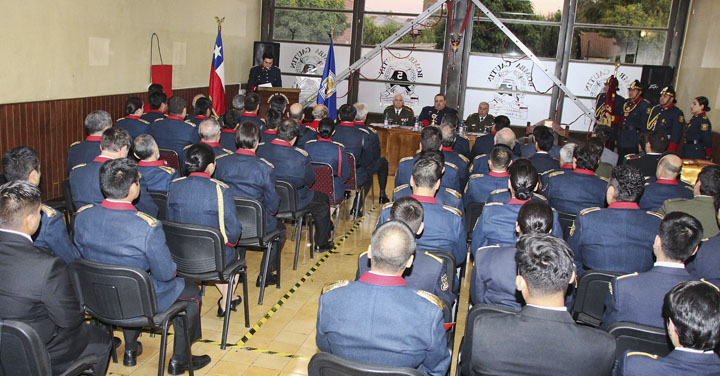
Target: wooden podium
[(266, 93)]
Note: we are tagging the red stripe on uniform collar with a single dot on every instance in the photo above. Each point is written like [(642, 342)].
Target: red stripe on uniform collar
[(515, 201), (382, 280), (176, 117), (213, 144), (158, 111), (278, 141), (271, 131), (245, 152), (159, 162), (249, 114), (569, 165), (583, 171), (229, 130), (314, 124), (93, 138), (671, 105), (200, 174), (324, 139), (667, 181), (445, 148), (132, 117), (426, 199), (200, 117), (346, 124), (118, 205), (102, 158), (358, 123), (623, 205), (499, 174)]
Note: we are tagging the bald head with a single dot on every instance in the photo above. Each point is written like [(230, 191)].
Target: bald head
[(320, 112), (391, 247), (505, 136), (296, 112), (209, 130), (669, 167)]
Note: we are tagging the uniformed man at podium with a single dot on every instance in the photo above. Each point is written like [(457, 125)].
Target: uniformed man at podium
[(265, 73)]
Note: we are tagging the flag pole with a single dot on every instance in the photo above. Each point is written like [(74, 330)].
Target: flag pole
[(219, 22)]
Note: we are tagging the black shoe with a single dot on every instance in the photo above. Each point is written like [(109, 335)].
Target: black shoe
[(271, 279), (178, 368), (130, 357), (323, 248), (384, 200)]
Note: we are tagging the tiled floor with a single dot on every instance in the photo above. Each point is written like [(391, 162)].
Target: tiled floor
[(283, 343)]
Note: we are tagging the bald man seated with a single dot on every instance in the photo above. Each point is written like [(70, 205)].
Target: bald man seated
[(665, 185)]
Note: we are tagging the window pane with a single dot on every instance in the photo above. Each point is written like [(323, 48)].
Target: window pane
[(397, 6), (294, 25), (627, 46), (548, 10), (319, 4), (647, 13), (430, 35), (542, 40)]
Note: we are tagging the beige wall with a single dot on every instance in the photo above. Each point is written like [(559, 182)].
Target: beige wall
[(699, 72), (80, 48)]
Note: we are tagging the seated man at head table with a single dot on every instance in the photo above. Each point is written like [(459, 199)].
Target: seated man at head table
[(481, 121), (541, 339), (433, 115), (398, 112), (378, 319)]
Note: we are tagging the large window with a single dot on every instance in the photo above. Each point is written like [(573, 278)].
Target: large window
[(313, 20)]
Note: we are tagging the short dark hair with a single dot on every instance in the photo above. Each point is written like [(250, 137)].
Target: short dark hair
[(232, 119), (409, 211), (587, 158), (252, 101), (501, 156), (450, 119), (156, 99), (430, 138), (544, 138), (658, 141), (501, 121), (628, 182), (435, 155), (288, 130), (326, 128), (278, 103), (202, 104), (709, 178), (546, 263), (144, 146), (680, 234), (347, 112), (154, 88), (268, 55), (198, 157), (116, 177), (447, 130), (273, 118), (96, 121), (523, 178), (597, 146), (176, 105), (426, 172), (247, 136), (535, 217), (18, 198), (18, 162), (603, 132), (694, 308), (132, 104), (114, 139), (392, 244)]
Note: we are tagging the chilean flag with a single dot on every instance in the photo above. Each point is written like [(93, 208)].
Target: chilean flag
[(217, 78)]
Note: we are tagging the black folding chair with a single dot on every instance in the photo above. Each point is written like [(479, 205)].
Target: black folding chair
[(160, 199), (351, 184), (199, 252), (288, 210), (251, 215), (326, 364), (566, 221), (124, 296), (464, 359), (635, 337), (589, 304), (69, 205), (472, 213), (22, 353)]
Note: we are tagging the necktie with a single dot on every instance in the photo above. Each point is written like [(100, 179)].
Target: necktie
[(397, 112)]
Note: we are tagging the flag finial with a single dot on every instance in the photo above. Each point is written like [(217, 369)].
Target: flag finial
[(219, 22)]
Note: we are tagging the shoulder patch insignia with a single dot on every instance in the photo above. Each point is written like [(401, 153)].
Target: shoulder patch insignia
[(588, 210), (681, 119), (475, 176), (540, 196), (262, 143), (453, 192), (556, 173), (147, 218), (627, 275), (431, 298), (488, 247), (451, 165), (50, 212), (364, 130), (268, 163), (452, 210), (498, 191), (405, 159), (494, 204), (310, 141), (704, 127), (387, 205), (656, 214), (220, 183), (689, 187), (78, 166), (188, 122), (362, 254), (438, 259), (223, 155), (479, 156), (464, 158), (88, 206), (301, 151), (167, 169), (333, 285), (122, 118), (337, 143), (631, 353), (144, 121), (187, 147), (604, 179), (75, 143), (226, 152), (158, 119), (373, 130), (178, 179), (400, 188)]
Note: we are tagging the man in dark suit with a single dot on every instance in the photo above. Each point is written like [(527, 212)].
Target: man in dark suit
[(480, 186), (665, 185), (378, 319), (154, 171), (379, 165), (430, 140), (22, 163), (544, 141), (250, 112), (265, 73), (655, 145), (174, 132), (572, 191), (295, 112), (357, 141), (542, 337), (529, 149), (620, 237), (707, 187), (37, 289), (692, 311), (114, 232), (230, 122), (505, 137), (480, 121), (638, 297), (209, 132), (157, 106), (202, 109), (483, 144), (449, 137), (96, 123), (433, 115)]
